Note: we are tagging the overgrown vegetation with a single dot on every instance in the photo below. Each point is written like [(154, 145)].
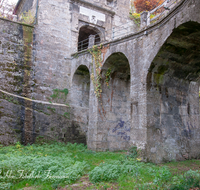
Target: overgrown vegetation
[(7, 9), (52, 165), (108, 76), (138, 6), (145, 5), (96, 77), (95, 51), (27, 17), (135, 17), (61, 94)]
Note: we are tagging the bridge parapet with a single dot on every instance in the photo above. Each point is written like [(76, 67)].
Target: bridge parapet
[(157, 108), (148, 19)]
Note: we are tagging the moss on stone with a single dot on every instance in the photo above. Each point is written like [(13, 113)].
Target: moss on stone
[(158, 78), (162, 69)]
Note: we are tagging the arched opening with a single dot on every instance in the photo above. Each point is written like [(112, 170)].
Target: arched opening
[(88, 36), (80, 93), (114, 106), (81, 87), (173, 128)]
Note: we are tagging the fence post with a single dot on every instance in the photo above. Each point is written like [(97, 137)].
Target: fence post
[(81, 46), (91, 41), (144, 19), (113, 33)]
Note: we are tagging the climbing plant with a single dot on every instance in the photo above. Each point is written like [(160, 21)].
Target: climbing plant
[(95, 51), (108, 76), (135, 17)]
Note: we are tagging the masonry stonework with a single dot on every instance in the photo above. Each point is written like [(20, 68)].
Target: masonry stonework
[(150, 100), (163, 108)]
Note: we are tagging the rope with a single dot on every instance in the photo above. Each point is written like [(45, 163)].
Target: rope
[(36, 101)]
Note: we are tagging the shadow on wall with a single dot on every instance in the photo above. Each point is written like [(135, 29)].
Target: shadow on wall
[(114, 110), (81, 87), (173, 128), (88, 36)]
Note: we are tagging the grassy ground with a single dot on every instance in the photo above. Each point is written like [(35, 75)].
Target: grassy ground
[(72, 166)]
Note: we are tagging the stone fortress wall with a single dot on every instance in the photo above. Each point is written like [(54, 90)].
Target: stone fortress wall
[(151, 100)]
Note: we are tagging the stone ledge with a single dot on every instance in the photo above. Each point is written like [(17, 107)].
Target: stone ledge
[(16, 22), (94, 6)]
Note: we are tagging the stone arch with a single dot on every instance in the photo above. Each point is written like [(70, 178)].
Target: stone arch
[(123, 50), (173, 126), (114, 106), (81, 86), (88, 36)]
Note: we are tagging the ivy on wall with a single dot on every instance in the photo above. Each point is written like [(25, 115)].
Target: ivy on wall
[(96, 52)]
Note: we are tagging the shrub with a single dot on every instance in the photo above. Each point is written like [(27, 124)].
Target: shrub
[(135, 17), (48, 163), (190, 179), (146, 5), (113, 170)]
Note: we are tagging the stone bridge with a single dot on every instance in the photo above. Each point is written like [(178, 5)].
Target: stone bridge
[(150, 89)]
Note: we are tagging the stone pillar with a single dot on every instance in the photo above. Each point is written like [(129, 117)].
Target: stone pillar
[(91, 41), (27, 136), (144, 19)]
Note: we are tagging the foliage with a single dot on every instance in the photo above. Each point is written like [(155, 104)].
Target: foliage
[(152, 16), (31, 164), (113, 170), (37, 163), (71, 161), (132, 153), (4, 185), (52, 109), (96, 77), (190, 179), (66, 115), (57, 93), (95, 51), (27, 17), (108, 73), (135, 17), (146, 5)]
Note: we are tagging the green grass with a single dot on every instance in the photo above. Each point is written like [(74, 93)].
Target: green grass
[(49, 166)]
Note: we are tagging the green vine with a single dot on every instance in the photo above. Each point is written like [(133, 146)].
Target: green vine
[(97, 62), (135, 17), (108, 76)]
